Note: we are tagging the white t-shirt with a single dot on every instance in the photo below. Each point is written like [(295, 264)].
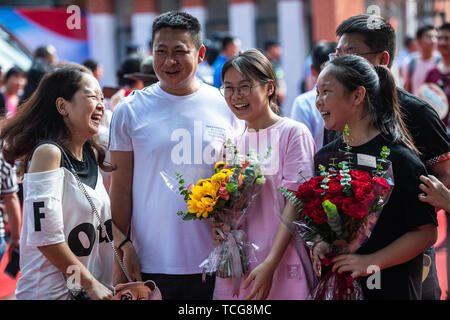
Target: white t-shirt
[(304, 110), (170, 134), (56, 210)]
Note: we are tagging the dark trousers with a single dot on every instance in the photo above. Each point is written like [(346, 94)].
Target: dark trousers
[(430, 286), (183, 286)]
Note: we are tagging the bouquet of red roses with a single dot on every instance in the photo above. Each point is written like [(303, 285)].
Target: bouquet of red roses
[(341, 206)]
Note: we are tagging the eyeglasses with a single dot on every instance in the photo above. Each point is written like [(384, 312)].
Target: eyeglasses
[(243, 91), (333, 56)]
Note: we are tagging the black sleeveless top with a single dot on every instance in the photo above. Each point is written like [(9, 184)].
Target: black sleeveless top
[(87, 169)]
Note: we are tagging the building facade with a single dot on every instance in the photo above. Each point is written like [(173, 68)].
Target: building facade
[(297, 24)]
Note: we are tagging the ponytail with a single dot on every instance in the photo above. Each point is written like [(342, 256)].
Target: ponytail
[(388, 117)]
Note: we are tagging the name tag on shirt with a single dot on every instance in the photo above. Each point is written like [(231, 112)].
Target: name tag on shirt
[(366, 160)]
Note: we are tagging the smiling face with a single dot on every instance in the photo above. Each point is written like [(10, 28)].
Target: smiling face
[(443, 42), (333, 101), (175, 61), (83, 113), (252, 107)]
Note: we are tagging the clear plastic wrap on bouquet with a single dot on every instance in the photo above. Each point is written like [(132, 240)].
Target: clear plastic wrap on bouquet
[(340, 206), (224, 197), (231, 257)]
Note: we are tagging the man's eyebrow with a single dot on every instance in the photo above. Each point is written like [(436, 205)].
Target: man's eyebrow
[(346, 48)]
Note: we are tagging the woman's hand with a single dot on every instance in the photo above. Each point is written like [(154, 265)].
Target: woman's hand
[(262, 276), (97, 291), (435, 193), (320, 249), (356, 264), (216, 236)]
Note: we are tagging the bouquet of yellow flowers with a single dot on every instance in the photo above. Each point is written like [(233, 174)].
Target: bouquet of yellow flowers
[(225, 197)]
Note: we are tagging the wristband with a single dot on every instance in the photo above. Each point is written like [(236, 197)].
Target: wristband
[(124, 241)]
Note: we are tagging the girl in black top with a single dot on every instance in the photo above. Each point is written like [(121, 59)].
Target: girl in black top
[(351, 91)]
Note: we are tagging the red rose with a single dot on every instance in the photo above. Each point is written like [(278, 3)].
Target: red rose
[(361, 189), (313, 208), (380, 187), (336, 199), (334, 186), (355, 208), (360, 175), (309, 188)]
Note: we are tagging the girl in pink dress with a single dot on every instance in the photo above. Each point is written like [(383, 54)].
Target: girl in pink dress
[(283, 268)]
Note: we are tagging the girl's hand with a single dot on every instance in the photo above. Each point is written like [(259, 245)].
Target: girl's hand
[(98, 291), (320, 249), (216, 236), (435, 193), (262, 275), (356, 264)]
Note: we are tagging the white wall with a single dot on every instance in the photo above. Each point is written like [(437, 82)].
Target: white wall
[(293, 36), (102, 44), (201, 13), (242, 23), (141, 24)]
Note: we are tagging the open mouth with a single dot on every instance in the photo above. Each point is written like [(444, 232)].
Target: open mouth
[(96, 118), (171, 73), (325, 114), (241, 107)]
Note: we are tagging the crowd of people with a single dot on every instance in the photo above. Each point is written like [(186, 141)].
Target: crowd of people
[(89, 161)]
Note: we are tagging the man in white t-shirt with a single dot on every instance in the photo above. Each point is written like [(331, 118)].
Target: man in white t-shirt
[(416, 69), (176, 125)]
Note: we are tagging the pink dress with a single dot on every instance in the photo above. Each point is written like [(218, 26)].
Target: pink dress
[(293, 150)]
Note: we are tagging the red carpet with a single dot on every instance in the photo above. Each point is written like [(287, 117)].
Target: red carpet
[(441, 256), (8, 285)]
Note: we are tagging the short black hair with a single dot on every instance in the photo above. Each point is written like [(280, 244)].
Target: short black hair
[(445, 26), (271, 42), (15, 70), (227, 40), (424, 29), (179, 20), (320, 54), (91, 64), (42, 52), (379, 34)]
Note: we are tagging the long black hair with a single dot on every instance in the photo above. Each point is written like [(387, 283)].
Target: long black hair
[(353, 71), (38, 119)]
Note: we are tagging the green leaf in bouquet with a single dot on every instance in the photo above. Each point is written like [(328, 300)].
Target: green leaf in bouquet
[(322, 168), (231, 187), (300, 173), (189, 216)]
